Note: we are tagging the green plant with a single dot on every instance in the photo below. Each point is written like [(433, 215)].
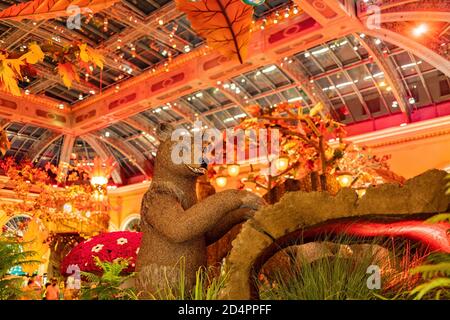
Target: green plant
[(436, 273), (343, 274), (329, 278), (207, 285), (437, 278), (108, 285), (11, 255)]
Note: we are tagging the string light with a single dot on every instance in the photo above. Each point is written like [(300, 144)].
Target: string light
[(275, 18)]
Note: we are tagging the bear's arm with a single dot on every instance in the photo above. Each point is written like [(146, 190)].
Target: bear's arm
[(165, 214), (226, 223)]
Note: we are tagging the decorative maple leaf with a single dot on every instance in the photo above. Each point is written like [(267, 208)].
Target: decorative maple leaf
[(34, 55), (10, 73), (225, 24), (50, 9), (68, 73), (4, 142), (88, 54)]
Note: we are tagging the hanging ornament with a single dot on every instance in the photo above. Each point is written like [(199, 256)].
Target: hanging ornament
[(254, 2)]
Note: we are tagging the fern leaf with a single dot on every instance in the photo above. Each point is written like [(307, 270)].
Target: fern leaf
[(421, 290)]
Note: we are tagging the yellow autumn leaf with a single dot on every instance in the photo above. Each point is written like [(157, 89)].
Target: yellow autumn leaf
[(316, 109), (83, 52), (96, 58), (88, 54), (290, 145), (34, 55), (9, 74)]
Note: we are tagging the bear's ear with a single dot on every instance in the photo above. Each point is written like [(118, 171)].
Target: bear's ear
[(164, 131)]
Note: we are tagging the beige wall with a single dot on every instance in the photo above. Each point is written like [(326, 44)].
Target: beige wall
[(412, 158), (124, 203)]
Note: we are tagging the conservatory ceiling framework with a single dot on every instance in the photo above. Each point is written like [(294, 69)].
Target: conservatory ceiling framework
[(327, 51)]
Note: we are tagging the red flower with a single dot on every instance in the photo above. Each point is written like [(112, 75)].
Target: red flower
[(106, 246)]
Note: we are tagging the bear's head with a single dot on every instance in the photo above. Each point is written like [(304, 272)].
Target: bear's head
[(169, 151)]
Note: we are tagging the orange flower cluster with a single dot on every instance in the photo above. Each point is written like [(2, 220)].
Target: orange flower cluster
[(42, 197)]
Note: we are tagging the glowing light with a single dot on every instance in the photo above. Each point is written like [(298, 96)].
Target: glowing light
[(269, 69), (420, 30), (221, 181), (295, 99), (282, 163), (361, 192), (99, 180), (345, 179), (67, 208), (233, 170), (412, 100)]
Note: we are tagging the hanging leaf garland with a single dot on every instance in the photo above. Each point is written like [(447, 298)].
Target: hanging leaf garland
[(73, 59), (225, 24), (50, 9)]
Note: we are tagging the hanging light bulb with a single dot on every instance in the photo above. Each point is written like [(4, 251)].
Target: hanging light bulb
[(233, 170), (221, 181), (282, 163), (345, 179)]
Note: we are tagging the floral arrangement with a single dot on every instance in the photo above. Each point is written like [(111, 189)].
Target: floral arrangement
[(53, 197), (107, 247)]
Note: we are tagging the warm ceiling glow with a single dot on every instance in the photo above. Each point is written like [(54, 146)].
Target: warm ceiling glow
[(221, 181), (420, 30), (233, 170)]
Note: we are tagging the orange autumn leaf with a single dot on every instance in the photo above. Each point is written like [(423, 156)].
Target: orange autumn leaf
[(10, 74), (5, 144), (225, 24), (50, 9), (68, 73)]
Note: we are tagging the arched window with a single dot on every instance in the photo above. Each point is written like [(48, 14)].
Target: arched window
[(16, 225), (132, 223)]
